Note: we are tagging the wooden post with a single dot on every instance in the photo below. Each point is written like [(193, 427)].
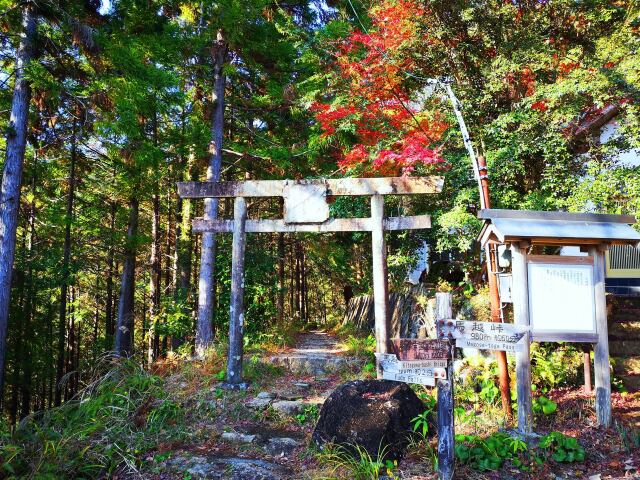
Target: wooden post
[(236, 313), (601, 352), (587, 368), (380, 286), (520, 294), (446, 427)]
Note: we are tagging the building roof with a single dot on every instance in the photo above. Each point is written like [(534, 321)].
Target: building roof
[(556, 228)]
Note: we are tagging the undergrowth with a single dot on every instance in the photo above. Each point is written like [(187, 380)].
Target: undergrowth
[(123, 413), (355, 463)]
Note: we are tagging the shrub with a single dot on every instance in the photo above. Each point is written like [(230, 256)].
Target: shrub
[(561, 448), (554, 365), (489, 453)]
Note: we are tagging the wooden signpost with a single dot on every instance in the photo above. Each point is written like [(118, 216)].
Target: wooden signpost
[(484, 335), (306, 210), (415, 361)]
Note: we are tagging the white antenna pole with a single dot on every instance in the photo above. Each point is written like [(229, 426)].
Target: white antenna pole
[(457, 108)]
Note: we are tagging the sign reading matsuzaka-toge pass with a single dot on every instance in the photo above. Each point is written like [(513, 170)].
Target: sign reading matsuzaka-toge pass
[(484, 335)]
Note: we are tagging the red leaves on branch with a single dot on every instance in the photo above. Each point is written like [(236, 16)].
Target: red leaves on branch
[(540, 105), (392, 136), (329, 117)]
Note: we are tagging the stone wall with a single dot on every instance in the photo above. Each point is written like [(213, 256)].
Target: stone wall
[(412, 313)]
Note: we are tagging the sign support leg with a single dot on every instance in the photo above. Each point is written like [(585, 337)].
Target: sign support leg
[(236, 313), (380, 286), (446, 426), (520, 294), (601, 351)]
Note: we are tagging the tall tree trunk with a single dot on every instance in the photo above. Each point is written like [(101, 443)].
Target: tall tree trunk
[(124, 324), (30, 302), (154, 282), (76, 363), (298, 282), (281, 279), (108, 309), (12, 174), (183, 257), (66, 258), (292, 270), (204, 329), (96, 321), (17, 326)]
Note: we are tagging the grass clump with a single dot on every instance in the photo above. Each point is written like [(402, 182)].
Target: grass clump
[(356, 463), (123, 413)]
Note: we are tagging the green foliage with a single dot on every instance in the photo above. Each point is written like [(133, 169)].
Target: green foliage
[(561, 448), (630, 436), (420, 423), (362, 347), (490, 453), (123, 413), (256, 369), (544, 405), (309, 415), (553, 366), (458, 228), (481, 305)]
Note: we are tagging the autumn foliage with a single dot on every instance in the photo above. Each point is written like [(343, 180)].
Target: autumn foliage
[(388, 134)]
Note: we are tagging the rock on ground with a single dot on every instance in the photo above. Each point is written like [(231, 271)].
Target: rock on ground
[(259, 403), (288, 407), (282, 446), (231, 468), (373, 414), (235, 437)]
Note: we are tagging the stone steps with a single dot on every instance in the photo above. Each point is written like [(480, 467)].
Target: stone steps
[(624, 330), (624, 348), (628, 370), (315, 353)]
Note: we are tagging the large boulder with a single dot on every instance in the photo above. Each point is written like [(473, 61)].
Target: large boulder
[(374, 414)]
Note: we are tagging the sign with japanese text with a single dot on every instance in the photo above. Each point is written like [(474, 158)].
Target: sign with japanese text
[(483, 335), (420, 349), (423, 372)]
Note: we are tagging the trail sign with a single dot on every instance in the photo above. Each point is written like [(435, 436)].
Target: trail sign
[(423, 372), (420, 361), (484, 335), (420, 349)]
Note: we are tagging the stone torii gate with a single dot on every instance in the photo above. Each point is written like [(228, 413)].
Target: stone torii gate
[(306, 210)]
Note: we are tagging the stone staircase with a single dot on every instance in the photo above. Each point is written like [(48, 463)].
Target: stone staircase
[(624, 338), (315, 353)]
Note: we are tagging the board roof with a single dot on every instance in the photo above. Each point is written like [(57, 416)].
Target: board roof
[(556, 228)]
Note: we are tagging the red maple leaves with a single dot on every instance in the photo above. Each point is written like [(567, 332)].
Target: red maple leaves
[(391, 135)]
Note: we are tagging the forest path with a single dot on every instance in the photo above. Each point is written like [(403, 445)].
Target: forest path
[(315, 353)]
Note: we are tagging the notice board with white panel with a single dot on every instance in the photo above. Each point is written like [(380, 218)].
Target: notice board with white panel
[(561, 298)]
